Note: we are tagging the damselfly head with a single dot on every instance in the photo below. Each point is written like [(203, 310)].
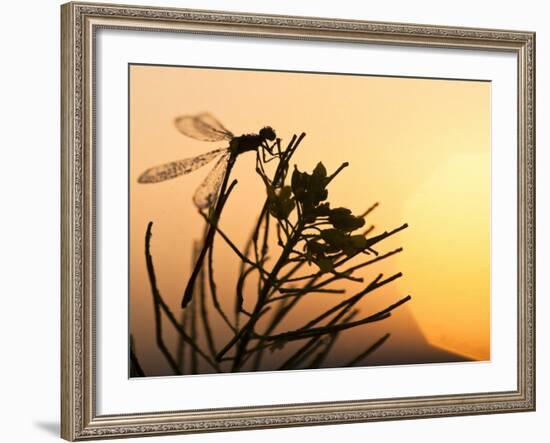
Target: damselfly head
[(268, 133)]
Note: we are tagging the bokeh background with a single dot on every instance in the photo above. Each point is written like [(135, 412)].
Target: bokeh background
[(420, 147)]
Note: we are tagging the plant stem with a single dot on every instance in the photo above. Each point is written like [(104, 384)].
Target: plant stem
[(369, 350), (188, 293), (162, 304), (135, 368), (279, 175), (243, 336)]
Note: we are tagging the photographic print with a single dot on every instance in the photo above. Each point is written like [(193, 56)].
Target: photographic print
[(297, 220), (341, 207)]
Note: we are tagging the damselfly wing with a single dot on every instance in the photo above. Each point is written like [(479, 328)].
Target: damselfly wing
[(202, 127), (206, 194)]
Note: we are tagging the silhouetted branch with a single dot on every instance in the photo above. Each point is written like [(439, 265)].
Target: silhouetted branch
[(299, 334), (159, 302), (368, 351), (213, 223), (214, 290), (180, 352), (232, 245), (375, 284), (204, 315), (340, 310), (279, 175), (156, 304), (193, 330), (323, 353), (240, 290), (135, 368), (243, 337), (288, 293), (340, 168), (369, 210), (312, 287), (278, 314)]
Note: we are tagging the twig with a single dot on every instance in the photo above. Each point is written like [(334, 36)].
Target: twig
[(368, 230), (180, 353), (214, 289), (300, 334), (369, 210), (243, 336), (341, 309), (277, 315), (335, 173), (375, 284), (156, 305), (217, 210), (307, 288), (205, 317), (369, 350), (193, 329), (278, 179), (240, 290), (232, 245), (135, 368), (322, 355), (185, 318), (288, 293), (289, 151), (210, 262), (159, 302)]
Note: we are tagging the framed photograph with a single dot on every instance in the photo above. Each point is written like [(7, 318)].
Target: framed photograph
[(282, 221)]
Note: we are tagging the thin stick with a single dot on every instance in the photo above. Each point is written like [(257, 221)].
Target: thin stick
[(278, 172), (232, 245), (299, 334), (135, 368), (252, 241), (323, 354), (159, 302), (185, 318), (180, 353), (343, 308), (288, 294), (243, 336), (368, 230), (369, 350), (160, 341), (204, 314), (371, 242), (375, 284), (211, 280), (156, 305), (188, 293), (285, 309), (369, 210), (214, 289), (310, 286), (240, 291), (265, 244), (275, 318), (193, 330), (317, 332)]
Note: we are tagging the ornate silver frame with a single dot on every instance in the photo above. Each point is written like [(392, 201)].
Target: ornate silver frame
[(79, 420)]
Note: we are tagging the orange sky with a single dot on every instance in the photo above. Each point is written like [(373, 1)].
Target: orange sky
[(421, 147)]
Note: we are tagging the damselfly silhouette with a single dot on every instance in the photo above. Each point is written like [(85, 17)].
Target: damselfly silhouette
[(206, 128)]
